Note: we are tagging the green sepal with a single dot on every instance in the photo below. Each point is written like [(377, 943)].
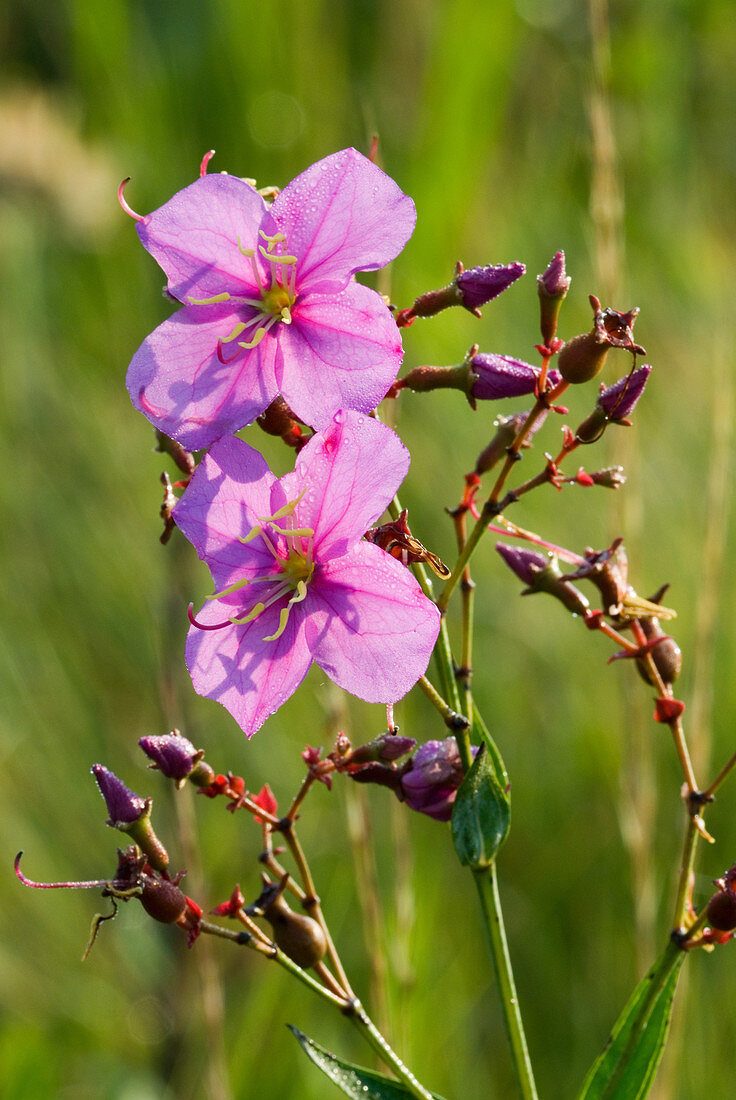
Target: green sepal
[(481, 816), (355, 1081)]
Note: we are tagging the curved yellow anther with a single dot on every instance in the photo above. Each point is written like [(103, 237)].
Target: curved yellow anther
[(299, 595), (224, 297), (247, 344)]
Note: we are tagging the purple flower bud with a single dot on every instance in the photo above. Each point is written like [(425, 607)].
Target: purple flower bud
[(540, 574), (131, 814), (502, 376), (619, 400), (554, 282), (386, 748), (173, 755), (479, 285), (432, 777), (123, 806), (525, 563), (507, 428)]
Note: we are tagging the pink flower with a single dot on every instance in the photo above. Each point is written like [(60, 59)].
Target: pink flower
[(295, 581), (270, 302)]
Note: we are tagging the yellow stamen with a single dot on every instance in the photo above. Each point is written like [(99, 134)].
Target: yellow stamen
[(224, 297), (236, 332), (299, 595), (247, 344)]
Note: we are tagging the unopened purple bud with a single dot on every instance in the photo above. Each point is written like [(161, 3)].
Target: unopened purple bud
[(431, 780), (123, 806), (501, 376), (131, 814), (619, 400), (386, 748), (479, 285), (552, 286), (507, 429), (554, 282), (542, 574), (174, 756), (525, 563)]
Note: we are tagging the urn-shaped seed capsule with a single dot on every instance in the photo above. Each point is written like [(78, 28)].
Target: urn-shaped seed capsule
[(299, 936), (582, 358), (666, 654), (162, 900)]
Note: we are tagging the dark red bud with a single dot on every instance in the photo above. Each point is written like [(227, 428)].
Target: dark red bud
[(721, 911)]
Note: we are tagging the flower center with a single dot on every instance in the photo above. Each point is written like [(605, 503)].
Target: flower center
[(275, 302), (295, 570)]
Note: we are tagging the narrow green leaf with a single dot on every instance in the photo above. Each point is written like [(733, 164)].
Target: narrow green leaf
[(482, 813), (355, 1081), (636, 1075)]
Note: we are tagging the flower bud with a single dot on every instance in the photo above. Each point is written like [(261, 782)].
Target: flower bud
[(430, 781), (501, 376), (614, 405), (385, 748), (507, 428), (612, 477), (471, 289), (479, 285), (176, 758), (542, 574), (299, 936), (131, 814), (552, 286)]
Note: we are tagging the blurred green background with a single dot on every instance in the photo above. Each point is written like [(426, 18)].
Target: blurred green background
[(518, 128)]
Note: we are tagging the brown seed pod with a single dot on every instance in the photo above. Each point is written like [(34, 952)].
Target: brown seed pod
[(162, 900), (667, 655), (721, 911), (300, 937)]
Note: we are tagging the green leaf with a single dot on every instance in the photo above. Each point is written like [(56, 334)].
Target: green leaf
[(481, 816), (355, 1081), (636, 1074)]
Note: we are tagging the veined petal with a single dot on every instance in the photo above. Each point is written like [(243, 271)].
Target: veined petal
[(229, 491), (252, 678), (341, 351), (177, 381), (371, 628), (352, 470), (194, 237), (342, 215)]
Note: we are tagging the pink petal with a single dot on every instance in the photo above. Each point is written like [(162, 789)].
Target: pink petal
[(341, 351), (177, 381), (194, 237), (251, 677), (352, 470), (230, 489), (341, 216), (371, 628)]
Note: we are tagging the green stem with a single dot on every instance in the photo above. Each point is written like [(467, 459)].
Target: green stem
[(487, 885), (373, 1036), (686, 869)]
